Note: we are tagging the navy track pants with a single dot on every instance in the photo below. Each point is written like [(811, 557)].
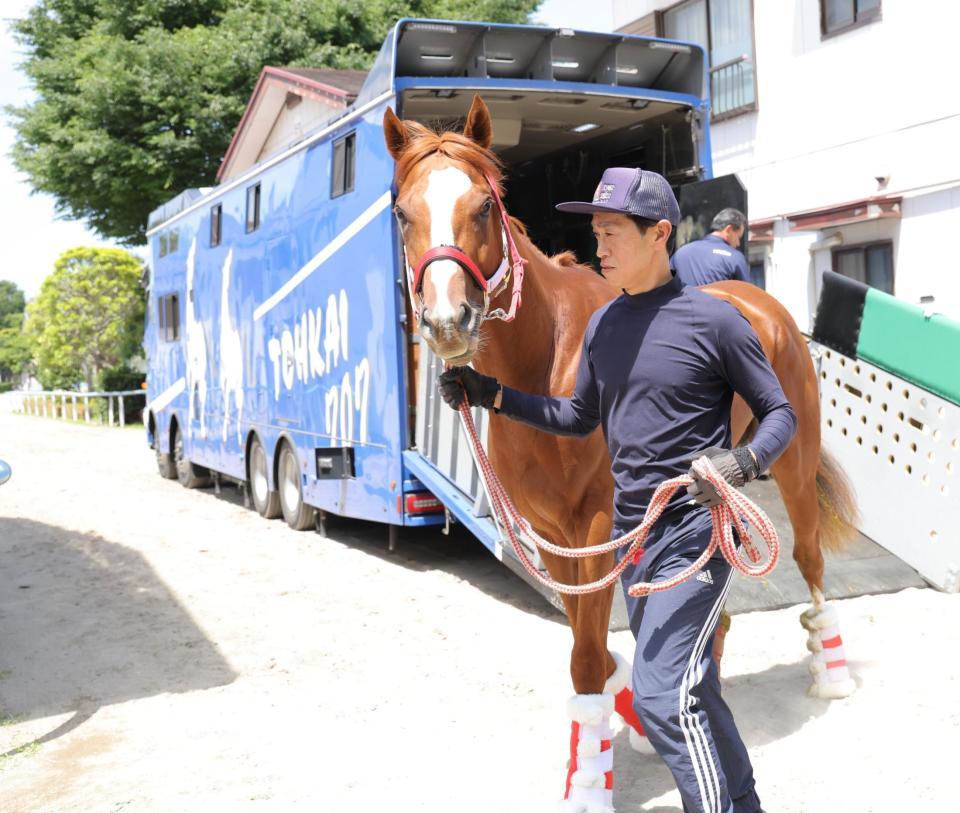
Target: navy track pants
[(676, 688)]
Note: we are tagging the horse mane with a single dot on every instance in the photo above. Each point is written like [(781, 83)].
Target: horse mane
[(423, 142), (567, 259)]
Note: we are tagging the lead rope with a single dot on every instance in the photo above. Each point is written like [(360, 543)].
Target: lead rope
[(726, 516)]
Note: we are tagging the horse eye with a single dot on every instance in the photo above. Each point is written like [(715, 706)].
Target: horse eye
[(485, 209), (401, 215)]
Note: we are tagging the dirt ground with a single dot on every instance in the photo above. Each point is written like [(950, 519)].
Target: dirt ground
[(167, 650)]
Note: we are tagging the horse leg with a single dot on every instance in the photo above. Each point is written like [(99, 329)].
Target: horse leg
[(828, 666), (598, 679), (740, 420)]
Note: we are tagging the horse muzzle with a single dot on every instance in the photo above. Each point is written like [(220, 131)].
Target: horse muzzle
[(452, 336)]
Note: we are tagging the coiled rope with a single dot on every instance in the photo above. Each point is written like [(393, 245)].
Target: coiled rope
[(727, 516)]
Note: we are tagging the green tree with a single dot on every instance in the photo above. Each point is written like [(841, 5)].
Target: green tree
[(138, 99), (12, 304), (88, 316), (16, 350)]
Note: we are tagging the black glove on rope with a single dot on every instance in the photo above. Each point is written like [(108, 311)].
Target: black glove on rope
[(457, 382), (736, 466)]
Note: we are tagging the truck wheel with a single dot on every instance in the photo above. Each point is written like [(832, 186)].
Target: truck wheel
[(298, 515), (165, 464), (266, 502), (189, 475)]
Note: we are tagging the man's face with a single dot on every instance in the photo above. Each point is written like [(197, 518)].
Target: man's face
[(733, 236), (626, 256)]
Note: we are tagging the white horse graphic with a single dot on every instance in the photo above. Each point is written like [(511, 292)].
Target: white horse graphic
[(231, 355), (196, 353)]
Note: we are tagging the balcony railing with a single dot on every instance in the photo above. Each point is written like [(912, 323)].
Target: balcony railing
[(732, 88)]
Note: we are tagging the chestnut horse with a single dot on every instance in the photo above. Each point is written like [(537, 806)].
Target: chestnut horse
[(563, 485)]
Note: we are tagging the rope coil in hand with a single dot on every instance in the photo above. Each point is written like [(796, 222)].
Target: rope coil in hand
[(727, 516)]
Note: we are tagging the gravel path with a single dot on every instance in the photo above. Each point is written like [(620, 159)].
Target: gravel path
[(165, 650)]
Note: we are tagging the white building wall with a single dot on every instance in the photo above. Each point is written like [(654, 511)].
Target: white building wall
[(834, 115)]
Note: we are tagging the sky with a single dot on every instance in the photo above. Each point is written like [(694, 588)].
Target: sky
[(33, 237)]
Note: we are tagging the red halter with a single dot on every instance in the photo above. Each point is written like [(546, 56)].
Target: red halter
[(512, 261)]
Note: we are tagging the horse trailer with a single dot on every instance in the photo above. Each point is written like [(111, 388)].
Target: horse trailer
[(281, 351)]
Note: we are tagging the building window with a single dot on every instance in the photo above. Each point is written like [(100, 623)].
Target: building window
[(725, 29), (253, 208), (163, 244), (216, 228), (168, 317), (871, 263), (758, 273), (344, 159), (837, 16)]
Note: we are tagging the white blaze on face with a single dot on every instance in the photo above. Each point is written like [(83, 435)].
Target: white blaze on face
[(444, 189)]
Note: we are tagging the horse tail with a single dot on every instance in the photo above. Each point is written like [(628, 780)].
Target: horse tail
[(839, 516)]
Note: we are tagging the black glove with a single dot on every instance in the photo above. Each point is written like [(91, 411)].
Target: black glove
[(736, 466), (480, 390)]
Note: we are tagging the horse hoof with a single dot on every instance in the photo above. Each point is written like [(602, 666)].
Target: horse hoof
[(832, 689), (639, 743)]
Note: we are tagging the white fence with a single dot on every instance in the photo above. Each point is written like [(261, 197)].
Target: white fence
[(70, 405)]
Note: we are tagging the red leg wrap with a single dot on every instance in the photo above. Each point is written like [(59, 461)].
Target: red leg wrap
[(623, 705), (572, 764), (605, 745)]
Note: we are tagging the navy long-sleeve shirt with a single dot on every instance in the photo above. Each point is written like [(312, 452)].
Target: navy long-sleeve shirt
[(658, 371), (711, 259)]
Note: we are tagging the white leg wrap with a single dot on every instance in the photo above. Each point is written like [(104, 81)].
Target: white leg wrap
[(620, 679), (616, 683), (591, 762), (828, 664), (590, 709)]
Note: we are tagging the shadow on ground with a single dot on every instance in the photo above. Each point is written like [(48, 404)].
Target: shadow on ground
[(84, 623), (642, 777), (423, 549), (862, 568)]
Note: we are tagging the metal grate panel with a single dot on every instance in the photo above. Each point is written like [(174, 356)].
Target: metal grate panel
[(442, 440), (900, 446)]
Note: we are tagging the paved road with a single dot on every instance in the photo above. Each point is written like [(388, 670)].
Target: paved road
[(164, 650)]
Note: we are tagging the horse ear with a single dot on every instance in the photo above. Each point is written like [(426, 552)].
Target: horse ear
[(394, 133), (479, 126)]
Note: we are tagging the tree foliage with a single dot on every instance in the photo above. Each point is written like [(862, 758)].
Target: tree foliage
[(12, 304), (138, 99), (15, 347), (88, 316)]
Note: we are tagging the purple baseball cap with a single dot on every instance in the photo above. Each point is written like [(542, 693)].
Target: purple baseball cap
[(628, 191)]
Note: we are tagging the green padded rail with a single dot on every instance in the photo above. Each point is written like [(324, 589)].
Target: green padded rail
[(897, 337)]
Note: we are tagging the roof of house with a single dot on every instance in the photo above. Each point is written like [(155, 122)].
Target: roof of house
[(345, 80), (334, 88)]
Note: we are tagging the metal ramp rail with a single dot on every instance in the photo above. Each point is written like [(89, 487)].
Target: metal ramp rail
[(443, 461)]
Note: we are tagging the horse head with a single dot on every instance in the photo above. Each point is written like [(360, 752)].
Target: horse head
[(453, 227)]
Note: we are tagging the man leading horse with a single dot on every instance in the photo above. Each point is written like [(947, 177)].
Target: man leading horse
[(658, 371)]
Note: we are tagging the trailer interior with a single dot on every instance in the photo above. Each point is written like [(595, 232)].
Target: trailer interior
[(553, 131)]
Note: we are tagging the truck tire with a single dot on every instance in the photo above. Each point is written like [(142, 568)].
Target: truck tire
[(165, 464), (189, 475), (266, 502), (297, 514)]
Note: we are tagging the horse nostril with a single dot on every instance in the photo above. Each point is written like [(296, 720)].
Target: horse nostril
[(425, 318), (466, 317)]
